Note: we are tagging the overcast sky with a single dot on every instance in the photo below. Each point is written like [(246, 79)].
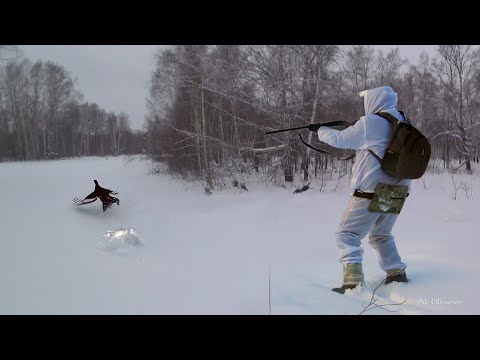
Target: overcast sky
[(116, 76)]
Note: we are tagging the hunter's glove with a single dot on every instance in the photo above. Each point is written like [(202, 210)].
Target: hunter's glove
[(314, 127)]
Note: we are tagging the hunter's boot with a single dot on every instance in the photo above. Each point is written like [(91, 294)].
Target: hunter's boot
[(352, 277), (396, 275)]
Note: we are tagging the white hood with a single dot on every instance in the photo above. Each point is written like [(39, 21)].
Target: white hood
[(379, 99)]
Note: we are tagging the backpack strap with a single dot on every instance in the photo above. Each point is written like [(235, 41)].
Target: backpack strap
[(389, 117), (407, 120), (392, 120), (376, 156)]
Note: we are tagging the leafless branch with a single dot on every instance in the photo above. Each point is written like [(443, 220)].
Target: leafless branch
[(373, 302)]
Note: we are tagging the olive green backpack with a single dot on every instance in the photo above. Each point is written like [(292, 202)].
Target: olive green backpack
[(408, 151)]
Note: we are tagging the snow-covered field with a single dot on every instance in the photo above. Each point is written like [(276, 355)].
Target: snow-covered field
[(201, 254)]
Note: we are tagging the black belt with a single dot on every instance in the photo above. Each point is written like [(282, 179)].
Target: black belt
[(361, 194), (365, 195)]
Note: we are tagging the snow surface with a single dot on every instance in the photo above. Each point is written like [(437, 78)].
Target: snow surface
[(182, 252)]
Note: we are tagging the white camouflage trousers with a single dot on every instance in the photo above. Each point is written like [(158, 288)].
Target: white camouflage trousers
[(356, 223)]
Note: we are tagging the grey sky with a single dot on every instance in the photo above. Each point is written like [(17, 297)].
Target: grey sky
[(113, 76), (116, 76), (411, 52)]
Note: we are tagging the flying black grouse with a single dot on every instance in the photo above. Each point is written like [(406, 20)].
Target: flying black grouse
[(101, 193)]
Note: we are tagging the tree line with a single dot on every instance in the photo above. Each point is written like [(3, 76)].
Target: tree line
[(43, 115), (209, 106)]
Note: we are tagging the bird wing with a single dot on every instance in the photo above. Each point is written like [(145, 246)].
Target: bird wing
[(90, 198), (108, 191)]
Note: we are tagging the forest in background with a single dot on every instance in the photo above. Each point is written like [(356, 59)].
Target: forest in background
[(209, 106), (43, 115)]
